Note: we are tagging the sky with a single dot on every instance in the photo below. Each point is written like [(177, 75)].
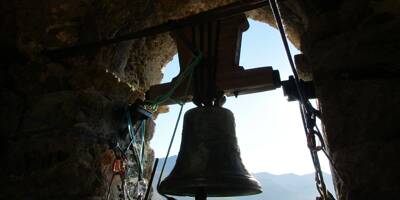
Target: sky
[(268, 127)]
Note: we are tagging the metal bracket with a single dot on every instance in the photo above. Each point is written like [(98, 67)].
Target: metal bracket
[(290, 91)]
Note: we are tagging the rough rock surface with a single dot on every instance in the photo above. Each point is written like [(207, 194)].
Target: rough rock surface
[(58, 111), (353, 52)]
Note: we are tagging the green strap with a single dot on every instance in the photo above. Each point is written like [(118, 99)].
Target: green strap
[(188, 71)]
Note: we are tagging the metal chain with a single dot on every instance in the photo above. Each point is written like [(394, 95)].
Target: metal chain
[(308, 115), (312, 133)]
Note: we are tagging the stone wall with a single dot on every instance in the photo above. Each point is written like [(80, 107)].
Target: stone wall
[(354, 52), (60, 111)]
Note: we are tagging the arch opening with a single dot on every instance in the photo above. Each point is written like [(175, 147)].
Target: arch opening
[(269, 130)]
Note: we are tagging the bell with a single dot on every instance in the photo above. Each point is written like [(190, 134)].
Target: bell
[(209, 160)]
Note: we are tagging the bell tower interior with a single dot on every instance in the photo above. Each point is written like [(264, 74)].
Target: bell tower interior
[(62, 110)]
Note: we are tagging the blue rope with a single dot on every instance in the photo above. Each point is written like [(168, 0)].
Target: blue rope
[(173, 137), (139, 157), (131, 129), (133, 140), (143, 132)]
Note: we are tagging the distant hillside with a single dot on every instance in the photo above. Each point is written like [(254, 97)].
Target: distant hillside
[(275, 187)]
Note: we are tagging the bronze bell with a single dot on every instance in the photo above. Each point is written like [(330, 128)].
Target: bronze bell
[(209, 158)]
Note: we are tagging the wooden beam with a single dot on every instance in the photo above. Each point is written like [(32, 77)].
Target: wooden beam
[(220, 43), (232, 83), (232, 9)]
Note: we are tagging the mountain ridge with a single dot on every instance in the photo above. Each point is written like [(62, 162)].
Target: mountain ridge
[(287, 186)]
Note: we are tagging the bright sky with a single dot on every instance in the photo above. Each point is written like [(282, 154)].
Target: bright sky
[(268, 127)]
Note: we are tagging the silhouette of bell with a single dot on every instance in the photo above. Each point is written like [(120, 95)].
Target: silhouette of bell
[(209, 158)]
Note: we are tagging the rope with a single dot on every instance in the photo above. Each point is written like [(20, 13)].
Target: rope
[(132, 134), (169, 149), (142, 149), (188, 71), (154, 104), (308, 113), (109, 187), (176, 126), (139, 156), (148, 189), (171, 142), (277, 14)]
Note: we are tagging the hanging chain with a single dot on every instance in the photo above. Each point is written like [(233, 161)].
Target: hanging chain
[(308, 115), (315, 143)]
